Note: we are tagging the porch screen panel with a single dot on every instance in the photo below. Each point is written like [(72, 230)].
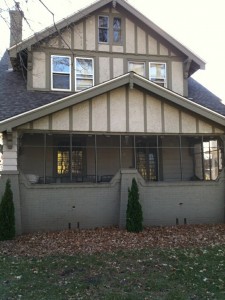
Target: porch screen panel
[(212, 158), (127, 152), (187, 160), (146, 157), (171, 158), (31, 156), (108, 157)]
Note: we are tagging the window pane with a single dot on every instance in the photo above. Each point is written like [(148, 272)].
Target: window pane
[(84, 84), (84, 66), (103, 35), (137, 67), (61, 81), (103, 22), (157, 70), (61, 64), (116, 30)]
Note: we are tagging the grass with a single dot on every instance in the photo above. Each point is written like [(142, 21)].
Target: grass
[(171, 274)]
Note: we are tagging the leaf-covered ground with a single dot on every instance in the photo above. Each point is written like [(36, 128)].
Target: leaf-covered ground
[(113, 239)]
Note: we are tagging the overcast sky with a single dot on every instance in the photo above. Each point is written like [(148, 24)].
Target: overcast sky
[(197, 24)]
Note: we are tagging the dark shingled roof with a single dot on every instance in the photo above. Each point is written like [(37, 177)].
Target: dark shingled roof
[(15, 99), (201, 95)]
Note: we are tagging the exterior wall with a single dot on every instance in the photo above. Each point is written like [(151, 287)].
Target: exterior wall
[(197, 202), (110, 59), (39, 70), (10, 155), (54, 207), (125, 110)]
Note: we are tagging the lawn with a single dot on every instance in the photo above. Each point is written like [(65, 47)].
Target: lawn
[(138, 274), (141, 273)]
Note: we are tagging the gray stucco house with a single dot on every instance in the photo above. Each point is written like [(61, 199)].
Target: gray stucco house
[(103, 97)]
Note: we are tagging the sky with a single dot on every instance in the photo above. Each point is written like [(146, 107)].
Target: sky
[(197, 24)]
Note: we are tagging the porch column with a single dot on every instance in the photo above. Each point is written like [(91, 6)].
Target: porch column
[(127, 176), (10, 171)]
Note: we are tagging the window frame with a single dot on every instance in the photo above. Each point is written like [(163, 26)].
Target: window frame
[(61, 73), (137, 62), (75, 72), (106, 28), (164, 79)]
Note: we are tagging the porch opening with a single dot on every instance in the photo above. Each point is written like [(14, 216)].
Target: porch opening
[(96, 158)]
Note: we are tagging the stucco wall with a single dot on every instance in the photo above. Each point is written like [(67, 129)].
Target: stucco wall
[(126, 110), (39, 70), (83, 37)]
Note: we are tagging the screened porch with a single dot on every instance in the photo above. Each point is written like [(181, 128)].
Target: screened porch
[(48, 158)]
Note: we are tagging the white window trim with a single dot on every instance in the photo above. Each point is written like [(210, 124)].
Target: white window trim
[(56, 89), (105, 16), (162, 78), (137, 62), (75, 76)]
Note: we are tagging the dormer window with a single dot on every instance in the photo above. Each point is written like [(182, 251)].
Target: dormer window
[(103, 29), (61, 73), (157, 73)]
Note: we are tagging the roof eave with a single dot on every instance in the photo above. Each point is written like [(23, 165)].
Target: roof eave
[(130, 78)]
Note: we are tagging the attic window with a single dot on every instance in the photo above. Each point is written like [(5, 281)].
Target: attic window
[(103, 29), (60, 72), (116, 30), (157, 73)]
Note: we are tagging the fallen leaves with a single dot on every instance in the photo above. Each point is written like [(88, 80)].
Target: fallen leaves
[(112, 239)]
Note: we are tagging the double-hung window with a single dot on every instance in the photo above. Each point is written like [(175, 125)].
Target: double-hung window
[(84, 73), (137, 67), (103, 29), (157, 73), (61, 72)]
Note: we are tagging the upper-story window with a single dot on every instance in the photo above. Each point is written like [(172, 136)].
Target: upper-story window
[(109, 29), (157, 73), (116, 30), (84, 73), (103, 29), (60, 72), (137, 67)]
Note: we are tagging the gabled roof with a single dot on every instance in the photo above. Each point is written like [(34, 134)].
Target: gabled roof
[(131, 79), (197, 62)]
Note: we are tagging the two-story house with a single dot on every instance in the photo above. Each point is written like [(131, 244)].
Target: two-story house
[(100, 98)]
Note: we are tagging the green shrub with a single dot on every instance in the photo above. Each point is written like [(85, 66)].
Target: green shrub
[(134, 216), (7, 214)]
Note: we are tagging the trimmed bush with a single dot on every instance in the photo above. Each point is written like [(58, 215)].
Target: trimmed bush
[(7, 214), (134, 216)]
